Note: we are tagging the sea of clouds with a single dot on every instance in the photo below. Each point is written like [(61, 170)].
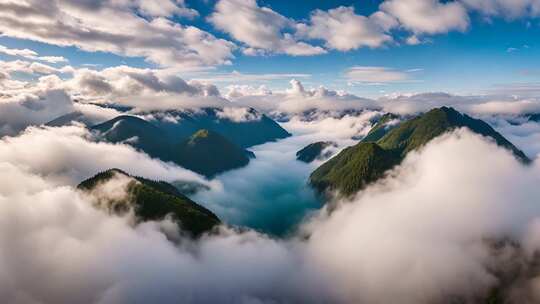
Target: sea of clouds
[(421, 235), (424, 234)]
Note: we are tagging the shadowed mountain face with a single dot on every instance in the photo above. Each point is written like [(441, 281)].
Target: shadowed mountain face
[(357, 166), (207, 153), (243, 126), (314, 151), (136, 132), (204, 152), (152, 200), (67, 119), (250, 130)]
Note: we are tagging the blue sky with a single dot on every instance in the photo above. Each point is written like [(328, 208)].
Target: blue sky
[(493, 49)]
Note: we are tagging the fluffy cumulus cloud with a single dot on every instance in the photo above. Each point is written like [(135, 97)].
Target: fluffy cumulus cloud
[(18, 112), (486, 105), (451, 213), (121, 85), (114, 256), (32, 67), (93, 26), (238, 114), (260, 28), (297, 99), (509, 9), (124, 81), (70, 154), (343, 30), (30, 54), (428, 16), (418, 223)]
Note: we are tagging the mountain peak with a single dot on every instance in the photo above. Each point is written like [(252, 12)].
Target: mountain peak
[(153, 200), (315, 151), (356, 166), (209, 153), (203, 133)]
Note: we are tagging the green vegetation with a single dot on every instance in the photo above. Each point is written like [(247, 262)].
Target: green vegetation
[(314, 151), (354, 168), (357, 166), (205, 152), (209, 153), (380, 128), (153, 200), (244, 133), (136, 132)]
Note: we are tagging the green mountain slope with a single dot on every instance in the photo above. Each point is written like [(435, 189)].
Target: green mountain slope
[(153, 200), (256, 131), (355, 167), (314, 151), (381, 127), (416, 132), (205, 152), (209, 153), (136, 132)]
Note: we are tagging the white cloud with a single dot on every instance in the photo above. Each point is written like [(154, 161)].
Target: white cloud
[(53, 59), (236, 77), (512, 107), (344, 30), (18, 52), (30, 54), (94, 27), (68, 155), (428, 16), (122, 81), (509, 9), (298, 99), (19, 111), (261, 28), (361, 252), (477, 105), (413, 40), (237, 91), (165, 8), (373, 74), (238, 114), (32, 67)]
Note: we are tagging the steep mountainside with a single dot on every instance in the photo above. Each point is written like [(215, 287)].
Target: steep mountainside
[(204, 152), (386, 123), (244, 126), (209, 153), (253, 129), (153, 200), (67, 119), (314, 151), (355, 167), (136, 132)]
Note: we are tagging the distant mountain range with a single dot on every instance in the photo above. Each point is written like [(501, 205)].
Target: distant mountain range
[(208, 141), (357, 166), (153, 200), (205, 152), (249, 129)]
